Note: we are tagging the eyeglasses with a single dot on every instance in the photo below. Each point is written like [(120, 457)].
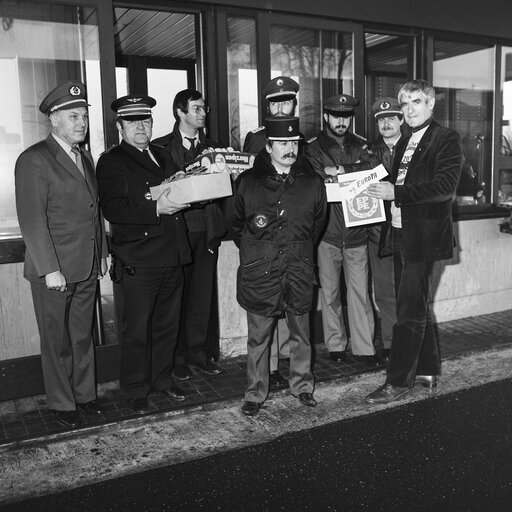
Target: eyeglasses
[(196, 109)]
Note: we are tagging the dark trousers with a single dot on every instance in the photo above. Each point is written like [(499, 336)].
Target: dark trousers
[(260, 332), (65, 321), (149, 325), (415, 348), (197, 310)]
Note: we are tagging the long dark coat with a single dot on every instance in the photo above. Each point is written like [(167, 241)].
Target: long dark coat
[(276, 223)]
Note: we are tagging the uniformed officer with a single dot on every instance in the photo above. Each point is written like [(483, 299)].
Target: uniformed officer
[(59, 217), (280, 95), (335, 151), (149, 244)]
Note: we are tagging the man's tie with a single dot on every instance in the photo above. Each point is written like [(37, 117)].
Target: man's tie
[(192, 141), (78, 159)]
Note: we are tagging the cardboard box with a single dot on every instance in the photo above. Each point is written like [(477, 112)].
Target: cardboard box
[(198, 188), (221, 161), (358, 207)]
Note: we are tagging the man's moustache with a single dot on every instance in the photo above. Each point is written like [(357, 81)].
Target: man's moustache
[(290, 155)]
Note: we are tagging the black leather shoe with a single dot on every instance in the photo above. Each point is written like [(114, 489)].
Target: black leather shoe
[(368, 360), (182, 372), (427, 381), (338, 356), (175, 393), (251, 408), (91, 407), (138, 405), (70, 419), (307, 399), (386, 394), (209, 367), (276, 380)]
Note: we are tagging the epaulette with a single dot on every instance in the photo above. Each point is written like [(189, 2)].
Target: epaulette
[(109, 149), (258, 129), (309, 141)]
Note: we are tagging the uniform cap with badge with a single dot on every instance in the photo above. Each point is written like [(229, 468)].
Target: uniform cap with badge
[(385, 107), (65, 96), (282, 128), (340, 105), (281, 88), (133, 107)]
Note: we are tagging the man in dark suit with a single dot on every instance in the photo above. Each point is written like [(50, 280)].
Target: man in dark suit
[(59, 217), (149, 246), (206, 225), (426, 171)]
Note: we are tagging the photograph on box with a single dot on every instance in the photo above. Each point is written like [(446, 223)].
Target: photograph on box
[(358, 207), (206, 178)]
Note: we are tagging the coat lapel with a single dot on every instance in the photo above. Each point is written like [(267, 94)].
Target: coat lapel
[(63, 159)]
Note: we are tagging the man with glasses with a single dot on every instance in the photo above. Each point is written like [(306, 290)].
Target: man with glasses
[(149, 245), (335, 151), (66, 248), (206, 225), (279, 209)]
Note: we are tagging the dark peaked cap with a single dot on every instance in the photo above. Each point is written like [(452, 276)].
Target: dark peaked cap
[(65, 96)]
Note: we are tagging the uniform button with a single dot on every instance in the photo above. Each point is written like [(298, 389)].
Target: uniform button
[(92, 237), (280, 252), (146, 233), (90, 205), (280, 227)]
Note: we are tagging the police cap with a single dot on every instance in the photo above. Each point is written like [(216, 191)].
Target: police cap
[(282, 128), (281, 88), (385, 107), (133, 106), (68, 95), (341, 105)]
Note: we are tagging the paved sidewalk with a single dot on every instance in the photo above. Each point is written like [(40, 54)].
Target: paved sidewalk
[(28, 418)]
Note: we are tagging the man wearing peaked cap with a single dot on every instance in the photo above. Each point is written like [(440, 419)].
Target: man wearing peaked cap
[(335, 151), (149, 246), (280, 97), (66, 249), (279, 210), (389, 119)]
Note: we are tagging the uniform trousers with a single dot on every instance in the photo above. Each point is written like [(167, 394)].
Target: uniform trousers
[(354, 261), (260, 329), (279, 347), (415, 348), (65, 322), (150, 317), (382, 275), (197, 301)]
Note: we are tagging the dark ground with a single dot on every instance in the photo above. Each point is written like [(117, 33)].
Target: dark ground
[(452, 453)]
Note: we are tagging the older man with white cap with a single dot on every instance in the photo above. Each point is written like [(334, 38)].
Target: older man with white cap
[(279, 212), (59, 217)]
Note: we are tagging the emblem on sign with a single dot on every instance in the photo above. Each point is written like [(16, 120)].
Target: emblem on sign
[(260, 220)]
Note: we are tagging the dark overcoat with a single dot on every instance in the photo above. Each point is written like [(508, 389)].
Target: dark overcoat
[(276, 222)]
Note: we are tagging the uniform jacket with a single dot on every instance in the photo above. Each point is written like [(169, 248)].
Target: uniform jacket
[(384, 153), (139, 237), (276, 223), (324, 151), (427, 194), (58, 213), (209, 217)]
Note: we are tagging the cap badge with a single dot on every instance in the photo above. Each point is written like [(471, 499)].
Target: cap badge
[(343, 99), (74, 91), (133, 100), (260, 220), (290, 128), (385, 105), (279, 82)]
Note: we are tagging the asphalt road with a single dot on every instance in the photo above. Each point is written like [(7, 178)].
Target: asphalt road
[(452, 453)]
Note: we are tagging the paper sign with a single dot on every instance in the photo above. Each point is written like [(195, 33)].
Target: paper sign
[(360, 180)]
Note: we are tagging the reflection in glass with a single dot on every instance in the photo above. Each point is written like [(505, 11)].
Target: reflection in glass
[(505, 166), (41, 45), (463, 75)]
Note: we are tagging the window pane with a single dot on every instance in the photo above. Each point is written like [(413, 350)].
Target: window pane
[(505, 158), (464, 82), (42, 45), (242, 79), (320, 61)]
